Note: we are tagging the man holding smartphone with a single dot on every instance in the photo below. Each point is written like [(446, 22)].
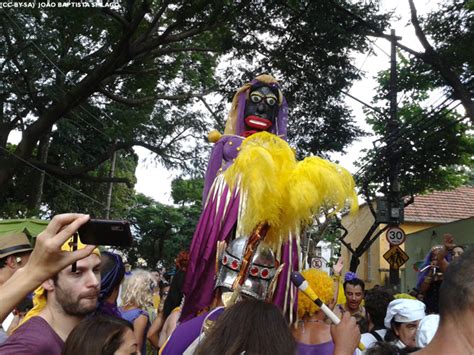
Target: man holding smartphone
[(60, 303)]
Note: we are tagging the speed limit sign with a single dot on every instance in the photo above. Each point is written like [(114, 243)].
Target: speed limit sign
[(395, 236)]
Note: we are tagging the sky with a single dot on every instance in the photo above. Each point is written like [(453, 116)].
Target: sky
[(155, 181)]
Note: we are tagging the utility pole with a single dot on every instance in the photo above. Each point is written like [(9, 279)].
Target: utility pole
[(393, 152), (111, 184)]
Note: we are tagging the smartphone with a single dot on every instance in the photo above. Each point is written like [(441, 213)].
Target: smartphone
[(106, 232)]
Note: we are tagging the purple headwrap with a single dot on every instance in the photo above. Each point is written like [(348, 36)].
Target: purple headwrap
[(109, 281)]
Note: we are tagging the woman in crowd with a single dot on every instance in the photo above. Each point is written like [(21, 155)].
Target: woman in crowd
[(313, 335), (112, 272), (249, 327), (430, 278), (102, 335), (167, 319), (403, 316), (136, 298)]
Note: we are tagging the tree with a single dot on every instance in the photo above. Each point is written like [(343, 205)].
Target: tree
[(187, 191), (162, 231), (116, 78), (69, 194)]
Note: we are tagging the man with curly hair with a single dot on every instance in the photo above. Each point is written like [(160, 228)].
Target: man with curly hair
[(376, 304)]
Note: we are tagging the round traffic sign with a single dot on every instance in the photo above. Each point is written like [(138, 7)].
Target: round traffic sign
[(316, 263), (395, 236)]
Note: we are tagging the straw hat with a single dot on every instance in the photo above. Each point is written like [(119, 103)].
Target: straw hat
[(14, 243)]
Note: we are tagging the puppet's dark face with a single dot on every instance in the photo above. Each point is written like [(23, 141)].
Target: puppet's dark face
[(261, 109)]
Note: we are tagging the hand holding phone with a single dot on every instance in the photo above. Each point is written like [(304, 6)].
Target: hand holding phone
[(106, 232)]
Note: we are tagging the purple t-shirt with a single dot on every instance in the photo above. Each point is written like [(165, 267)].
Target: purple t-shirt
[(133, 314), (34, 337), (187, 332), (319, 349)]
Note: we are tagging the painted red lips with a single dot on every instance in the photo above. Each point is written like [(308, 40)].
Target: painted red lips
[(258, 123)]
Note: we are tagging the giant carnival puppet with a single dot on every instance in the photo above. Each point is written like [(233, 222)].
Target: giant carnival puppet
[(257, 198)]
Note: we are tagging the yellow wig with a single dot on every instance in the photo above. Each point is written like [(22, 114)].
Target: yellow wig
[(322, 285), (39, 296)]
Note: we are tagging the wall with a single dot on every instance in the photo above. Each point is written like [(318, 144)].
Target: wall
[(357, 225)]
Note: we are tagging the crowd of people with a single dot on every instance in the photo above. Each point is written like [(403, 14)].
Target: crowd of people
[(231, 293), (76, 311)]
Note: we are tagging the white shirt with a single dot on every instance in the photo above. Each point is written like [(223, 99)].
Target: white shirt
[(368, 339)]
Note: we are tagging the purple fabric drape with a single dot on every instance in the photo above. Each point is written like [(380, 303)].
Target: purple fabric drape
[(283, 286), (214, 225)]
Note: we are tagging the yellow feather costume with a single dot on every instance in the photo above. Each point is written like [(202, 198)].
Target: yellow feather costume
[(277, 189)]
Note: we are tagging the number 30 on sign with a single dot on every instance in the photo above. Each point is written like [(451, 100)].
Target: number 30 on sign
[(395, 236)]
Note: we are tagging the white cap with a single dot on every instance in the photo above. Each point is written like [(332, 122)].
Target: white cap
[(403, 311), (426, 330)]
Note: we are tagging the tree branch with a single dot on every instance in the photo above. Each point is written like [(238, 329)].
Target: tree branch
[(419, 32), (154, 23), (142, 100), (432, 57), (77, 171), (125, 24), (210, 109), (128, 71)]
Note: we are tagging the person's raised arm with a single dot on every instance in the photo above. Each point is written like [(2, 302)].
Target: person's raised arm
[(337, 269), (448, 244), (46, 260)]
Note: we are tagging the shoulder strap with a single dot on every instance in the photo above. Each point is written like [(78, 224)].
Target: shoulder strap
[(376, 335)]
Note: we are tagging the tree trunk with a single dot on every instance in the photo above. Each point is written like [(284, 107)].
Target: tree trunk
[(38, 184)]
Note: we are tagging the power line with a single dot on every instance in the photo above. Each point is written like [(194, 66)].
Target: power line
[(377, 46), (54, 177), (393, 137), (380, 150)]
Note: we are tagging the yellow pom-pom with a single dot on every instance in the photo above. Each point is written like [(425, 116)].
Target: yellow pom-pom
[(214, 136)]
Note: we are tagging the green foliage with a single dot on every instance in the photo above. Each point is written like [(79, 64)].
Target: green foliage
[(162, 231), (187, 191), (104, 80), (451, 28)]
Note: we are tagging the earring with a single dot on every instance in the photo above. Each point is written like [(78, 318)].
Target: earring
[(18, 260)]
